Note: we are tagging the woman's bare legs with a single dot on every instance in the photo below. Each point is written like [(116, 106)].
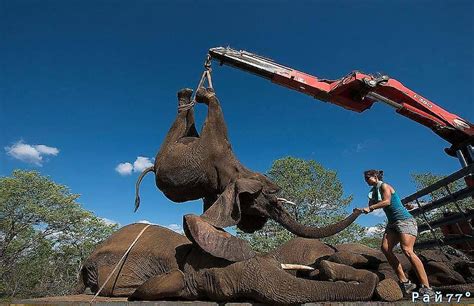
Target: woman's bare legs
[(389, 241), (407, 242)]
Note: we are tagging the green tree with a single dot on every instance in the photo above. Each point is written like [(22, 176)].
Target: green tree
[(373, 239), (320, 201), (44, 236)]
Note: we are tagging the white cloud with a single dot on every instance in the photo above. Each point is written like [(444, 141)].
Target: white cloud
[(176, 228), (373, 230), (173, 226), (47, 150), (32, 154), (124, 168), (146, 222), (378, 213), (140, 164), (109, 221), (360, 147)]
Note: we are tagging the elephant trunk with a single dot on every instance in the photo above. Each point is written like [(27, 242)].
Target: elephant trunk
[(278, 213)]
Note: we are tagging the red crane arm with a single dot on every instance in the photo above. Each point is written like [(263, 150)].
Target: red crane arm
[(357, 92)]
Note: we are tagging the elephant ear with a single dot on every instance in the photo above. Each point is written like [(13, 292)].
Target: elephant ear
[(206, 231), (249, 187), (226, 210), (216, 241)]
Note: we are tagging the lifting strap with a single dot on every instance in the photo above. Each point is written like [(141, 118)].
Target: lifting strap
[(206, 76), (118, 263)]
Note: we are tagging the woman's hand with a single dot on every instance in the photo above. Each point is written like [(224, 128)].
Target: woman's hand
[(365, 210)]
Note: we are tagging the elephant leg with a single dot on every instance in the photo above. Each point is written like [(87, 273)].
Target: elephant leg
[(176, 131), (190, 125), (168, 285), (335, 271), (388, 290), (179, 127), (350, 259), (303, 251), (214, 126)]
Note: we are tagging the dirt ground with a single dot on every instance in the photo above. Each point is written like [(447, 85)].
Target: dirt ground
[(85, 299)]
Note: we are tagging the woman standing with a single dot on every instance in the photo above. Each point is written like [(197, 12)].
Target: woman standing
[(401, 228)]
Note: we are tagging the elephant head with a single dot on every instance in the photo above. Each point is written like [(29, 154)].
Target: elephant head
[(190, 166), (248, 203)]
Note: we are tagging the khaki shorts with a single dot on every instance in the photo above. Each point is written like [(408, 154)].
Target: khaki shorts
[(407, 226)]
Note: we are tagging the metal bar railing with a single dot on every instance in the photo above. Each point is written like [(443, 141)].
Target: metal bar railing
[(446, 221), (439, 184), (456, 196), (451, 197), (449, 240)]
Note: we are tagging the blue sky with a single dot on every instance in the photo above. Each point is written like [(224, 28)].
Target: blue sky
[(97, 81)]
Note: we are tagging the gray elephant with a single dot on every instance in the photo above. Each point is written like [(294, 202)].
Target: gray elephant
[(446, 272), (190, 166), (165, 265)]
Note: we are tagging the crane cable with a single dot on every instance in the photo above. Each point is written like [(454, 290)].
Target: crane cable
[(206, 75)]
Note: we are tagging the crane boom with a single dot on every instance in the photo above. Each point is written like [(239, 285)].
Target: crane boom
[(356, 91)]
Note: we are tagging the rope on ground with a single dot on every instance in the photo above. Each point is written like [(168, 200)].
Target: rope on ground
[(118, 263)]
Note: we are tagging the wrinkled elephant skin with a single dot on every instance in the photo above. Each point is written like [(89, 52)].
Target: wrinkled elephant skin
[(191, 166), (165, 265)]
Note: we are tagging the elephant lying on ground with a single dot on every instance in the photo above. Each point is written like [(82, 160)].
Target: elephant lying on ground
[(190, 166), (165, 265), (442, 269)]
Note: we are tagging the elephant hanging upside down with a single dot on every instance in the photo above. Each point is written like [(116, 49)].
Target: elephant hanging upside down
[(190, 166)]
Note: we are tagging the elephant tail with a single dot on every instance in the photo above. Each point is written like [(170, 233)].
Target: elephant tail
[(137, 186)]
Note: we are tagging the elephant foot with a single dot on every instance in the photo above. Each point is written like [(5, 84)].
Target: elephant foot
[(215, 241), (349, 259), (168, 285), (184, 99), (203, 95), (388, 290), (339, 272)]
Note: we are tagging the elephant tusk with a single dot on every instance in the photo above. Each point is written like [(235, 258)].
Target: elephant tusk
[(296, 267), (286, 201)]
